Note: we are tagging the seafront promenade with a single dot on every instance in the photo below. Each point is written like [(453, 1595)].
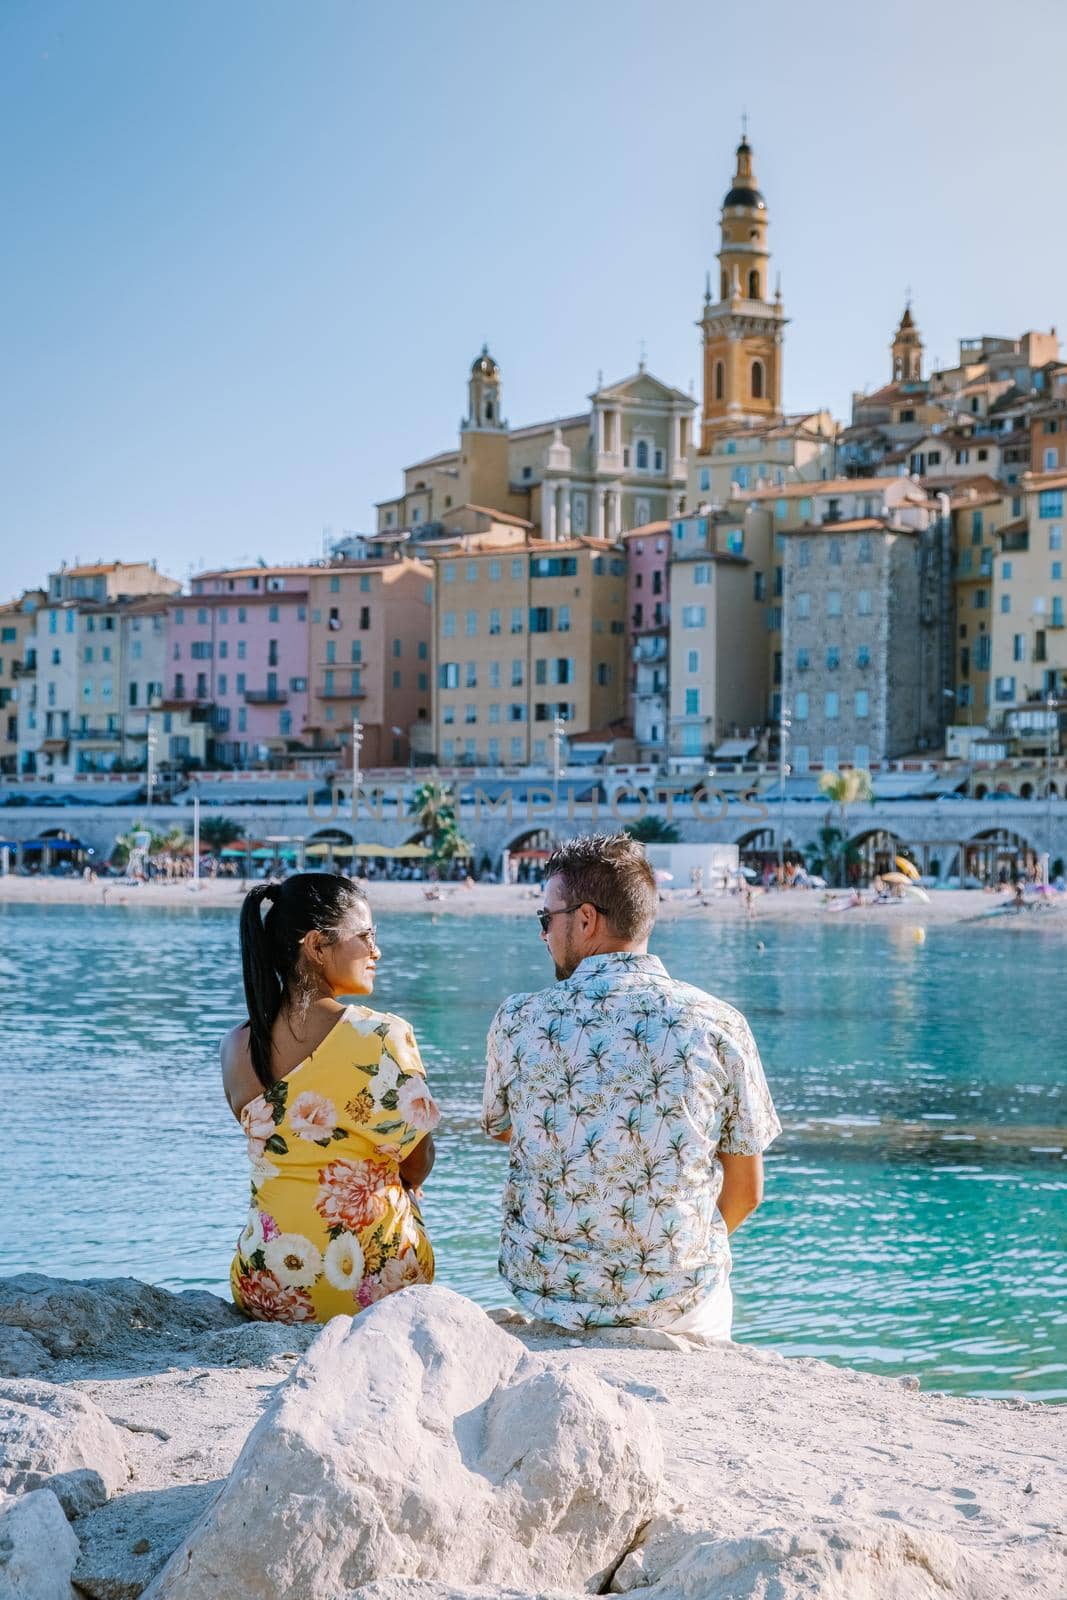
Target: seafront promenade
[(499, 818)]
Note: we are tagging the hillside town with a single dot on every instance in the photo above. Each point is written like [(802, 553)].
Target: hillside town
[(645, 581)]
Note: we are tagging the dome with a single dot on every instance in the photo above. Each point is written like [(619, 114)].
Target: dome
[(484, 366), (740, 196)]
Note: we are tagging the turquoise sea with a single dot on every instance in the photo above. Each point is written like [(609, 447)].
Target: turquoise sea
[(916, 1210)]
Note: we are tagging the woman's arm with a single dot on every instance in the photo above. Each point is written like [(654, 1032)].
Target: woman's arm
[(416, 1168)]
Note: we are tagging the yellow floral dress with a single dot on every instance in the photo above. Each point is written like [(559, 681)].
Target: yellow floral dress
[(331, 1228)]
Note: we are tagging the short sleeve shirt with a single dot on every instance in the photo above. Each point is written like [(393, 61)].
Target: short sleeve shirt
[(620, 1088)]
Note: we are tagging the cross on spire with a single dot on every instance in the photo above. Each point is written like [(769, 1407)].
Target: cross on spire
[(744, 124)]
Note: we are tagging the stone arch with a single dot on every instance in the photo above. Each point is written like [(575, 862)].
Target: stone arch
[(754, 285), (756, 846), (527, 846), (758, 380), (329, 847), (996, 855), (873, 852)]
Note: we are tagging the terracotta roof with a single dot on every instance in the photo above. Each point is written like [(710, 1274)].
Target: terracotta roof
[(646, 529), (1033, 482), (812, 488), (490, 511), (851, 525), (255, 572)]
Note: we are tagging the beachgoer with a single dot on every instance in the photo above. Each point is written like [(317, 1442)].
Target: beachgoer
[(334, 1103), (636, 1110)]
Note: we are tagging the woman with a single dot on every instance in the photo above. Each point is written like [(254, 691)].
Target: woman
[(334, 1102)]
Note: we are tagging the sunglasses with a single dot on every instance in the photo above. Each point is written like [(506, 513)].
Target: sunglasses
[(544, 916)]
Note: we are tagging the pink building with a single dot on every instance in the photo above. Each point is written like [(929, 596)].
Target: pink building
[(648, 551), (237, 649)]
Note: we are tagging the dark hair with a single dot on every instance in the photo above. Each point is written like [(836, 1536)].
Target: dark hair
[(612, 872), (270, 946)]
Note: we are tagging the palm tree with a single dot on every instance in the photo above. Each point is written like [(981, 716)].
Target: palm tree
[(434, 807), (844, 789), (652, 830), (218, 832)]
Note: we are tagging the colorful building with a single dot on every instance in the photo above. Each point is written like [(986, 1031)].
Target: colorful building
[(648, 552)]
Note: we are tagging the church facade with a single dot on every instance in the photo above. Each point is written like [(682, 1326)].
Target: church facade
[(617, 465)]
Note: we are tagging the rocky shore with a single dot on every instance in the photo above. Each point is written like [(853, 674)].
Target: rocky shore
[(159, 1444)]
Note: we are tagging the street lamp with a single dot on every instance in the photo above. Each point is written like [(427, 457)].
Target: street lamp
[(558, 735), (1050, 705), (150, 759), (785, 722), (357, 746)]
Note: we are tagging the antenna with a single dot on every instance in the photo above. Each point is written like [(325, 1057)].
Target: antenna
[(744, 124)]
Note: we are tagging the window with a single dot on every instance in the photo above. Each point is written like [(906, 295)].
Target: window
[(693, 661), (803, 660), (804, 554), (692, 702), (803, 605), (516, 674), (448, 715), (831, 705), (759, 586), (705, 480), (1057, 571), (863, 603), (1005, 605), (471, 624), (1050, 503), (242, 613), (757, 380), (800, 707), (540, 619), (981, 599), (448, 571), (1005, 689), (494, 674), (179, 616), (603, 675), (298, 685), (833, 658), (553, 566), (241, 682), (693, 616), (516, 567), (88, 653), (516, 619), (1005, 569), (833, 602), (863, 703), (472, 675), (1055, 537), (641, 462), (833, 553), (563, 619), (720, 375), (1018, 647), (273, 614), (472, 572), (494, 711), (1051, 459), (516, 711), (470, 713), (701, 575), (448, 675), (494, 621)]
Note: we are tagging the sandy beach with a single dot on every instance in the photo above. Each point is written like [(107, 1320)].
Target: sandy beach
[(946, 906)]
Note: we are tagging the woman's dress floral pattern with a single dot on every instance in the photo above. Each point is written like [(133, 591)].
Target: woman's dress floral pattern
[(619, 1087), (331, 1228)]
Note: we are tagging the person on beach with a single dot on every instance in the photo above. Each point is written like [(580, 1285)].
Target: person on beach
[(636, 1112), (334, 1103)]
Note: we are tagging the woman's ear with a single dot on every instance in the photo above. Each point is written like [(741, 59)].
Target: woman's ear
[(313, 947)]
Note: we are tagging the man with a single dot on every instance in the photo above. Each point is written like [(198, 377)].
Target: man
[(636, 1110)]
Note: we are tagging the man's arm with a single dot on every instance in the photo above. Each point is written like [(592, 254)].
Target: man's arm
[(416, 1168), (502, 1138), (742, 1188)]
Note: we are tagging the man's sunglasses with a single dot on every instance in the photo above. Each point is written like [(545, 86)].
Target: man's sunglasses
[(544, 916)]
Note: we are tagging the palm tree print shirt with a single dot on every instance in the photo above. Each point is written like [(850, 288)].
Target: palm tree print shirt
[(619, 1088)]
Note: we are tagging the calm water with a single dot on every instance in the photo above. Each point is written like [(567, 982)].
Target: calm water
[(916, 1210)]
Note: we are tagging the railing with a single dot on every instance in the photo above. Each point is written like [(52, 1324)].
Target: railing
[(336, 693), (266, 697)]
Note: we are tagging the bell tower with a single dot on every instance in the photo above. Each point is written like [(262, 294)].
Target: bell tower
[(907, 350), (483, 396), (483, 439), (743, 328)]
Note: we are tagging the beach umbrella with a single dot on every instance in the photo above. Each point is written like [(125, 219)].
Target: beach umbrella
[(895, 877), (917, 893), (909, 868)]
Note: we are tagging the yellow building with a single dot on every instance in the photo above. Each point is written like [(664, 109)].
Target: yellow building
[(616, 466), (369, 639), (986, 516), (721, 578), (1029, 601), (523, 634), (18, 669)]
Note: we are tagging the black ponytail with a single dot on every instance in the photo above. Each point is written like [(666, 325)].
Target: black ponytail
[(270, 947)]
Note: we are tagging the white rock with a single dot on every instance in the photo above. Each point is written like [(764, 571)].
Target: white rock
[(875, 1561), (419, 1441), (45, 1429), (37, 1548)]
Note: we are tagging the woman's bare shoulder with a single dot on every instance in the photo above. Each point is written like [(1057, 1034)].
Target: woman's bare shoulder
[(238, 1075)]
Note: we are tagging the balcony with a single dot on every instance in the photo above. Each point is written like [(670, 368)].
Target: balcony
[(95, 736), (266, 697), (24, 669)]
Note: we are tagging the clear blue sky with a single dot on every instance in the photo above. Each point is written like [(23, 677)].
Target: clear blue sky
[(251, 246)]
